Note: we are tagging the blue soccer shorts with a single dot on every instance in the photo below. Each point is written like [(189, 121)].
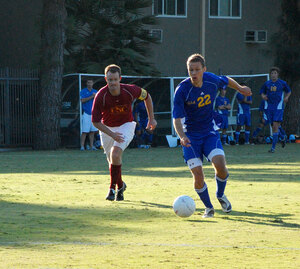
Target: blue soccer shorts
[(243, 119), (274, 115), (224, 124), (208, 146)]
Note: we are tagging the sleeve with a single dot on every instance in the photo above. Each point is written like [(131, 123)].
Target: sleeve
[(287, 89), (240, 97), (263, 89), (96, 109), (178, 108), (223, 82)]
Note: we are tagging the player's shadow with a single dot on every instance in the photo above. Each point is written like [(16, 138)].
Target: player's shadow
[(147, 204), (271, 219)]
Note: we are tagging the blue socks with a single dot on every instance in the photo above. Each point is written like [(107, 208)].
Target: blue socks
[(204, 196), (275, 139), (224, 136), (221, 184), (256, 132), (247, 136), (237, 137)]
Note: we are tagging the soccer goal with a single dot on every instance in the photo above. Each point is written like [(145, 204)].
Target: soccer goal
[(162, 92)]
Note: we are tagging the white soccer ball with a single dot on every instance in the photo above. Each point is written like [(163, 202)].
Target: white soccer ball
[(184, 206)]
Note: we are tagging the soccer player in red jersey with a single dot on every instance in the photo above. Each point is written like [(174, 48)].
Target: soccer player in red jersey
[(112, 115)]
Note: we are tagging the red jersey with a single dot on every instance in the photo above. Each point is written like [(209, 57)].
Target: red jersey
[(116, 110)]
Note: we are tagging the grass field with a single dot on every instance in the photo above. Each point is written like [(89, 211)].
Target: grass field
[(53, 212)]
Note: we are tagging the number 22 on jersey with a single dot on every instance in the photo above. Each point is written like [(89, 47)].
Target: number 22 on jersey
[(204, 101)]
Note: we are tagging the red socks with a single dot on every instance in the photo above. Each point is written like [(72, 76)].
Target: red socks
[(115, 176)]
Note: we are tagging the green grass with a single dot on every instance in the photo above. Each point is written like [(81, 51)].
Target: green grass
[(53, 212)]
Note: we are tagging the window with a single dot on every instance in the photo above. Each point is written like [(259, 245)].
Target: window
[(231, 9), (169, 8), (157, 34), (256, 36)]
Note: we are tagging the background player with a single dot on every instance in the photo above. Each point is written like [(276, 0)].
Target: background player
[(194, 98), (276, 92), (87, 96), (243, 116), (112, 115), (223, 105)]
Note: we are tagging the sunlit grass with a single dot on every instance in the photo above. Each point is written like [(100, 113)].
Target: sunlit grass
[(53, 212)]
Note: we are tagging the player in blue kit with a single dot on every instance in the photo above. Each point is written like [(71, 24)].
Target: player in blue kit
[(276, 92), (222, 107), (243, 116), (193, 104)]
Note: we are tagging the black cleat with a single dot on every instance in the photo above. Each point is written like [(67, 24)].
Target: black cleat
[(272, 151), (111, 195), (120, 196), (283, 142)]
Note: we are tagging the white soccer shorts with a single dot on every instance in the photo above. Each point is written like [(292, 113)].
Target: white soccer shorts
[(87, 125), (127, 130)]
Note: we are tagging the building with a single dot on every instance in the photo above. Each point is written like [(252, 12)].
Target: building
[(233, 35)]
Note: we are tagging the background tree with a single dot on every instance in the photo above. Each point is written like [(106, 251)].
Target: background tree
[(287, 49), (101, 32), (51, 71)]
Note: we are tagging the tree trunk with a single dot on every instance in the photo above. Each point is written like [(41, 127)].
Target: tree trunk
[(51, 71), (291, 122)]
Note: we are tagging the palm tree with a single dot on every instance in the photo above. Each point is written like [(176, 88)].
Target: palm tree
[(101, 32)]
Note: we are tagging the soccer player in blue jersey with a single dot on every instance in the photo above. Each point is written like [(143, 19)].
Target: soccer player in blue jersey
[(222, 107), (243, 116), (193, 103), (276, 92)]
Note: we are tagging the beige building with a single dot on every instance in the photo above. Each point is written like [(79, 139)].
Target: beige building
[(233, 35)]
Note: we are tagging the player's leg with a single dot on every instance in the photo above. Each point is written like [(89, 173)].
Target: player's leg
[(127, 130), (85, 128), (224, 129), (192, 156), (237, 134), (214, 152), (82, 140), (277, 116), (247, 128)]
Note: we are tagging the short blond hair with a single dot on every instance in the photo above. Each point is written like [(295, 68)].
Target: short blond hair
[(113, 68), (195, 58)]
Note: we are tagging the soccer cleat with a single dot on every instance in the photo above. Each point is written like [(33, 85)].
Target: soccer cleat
[(226, 205), (272, 151), (247, 143), (120, 196), (208, 213), (94, 148), (82, 148), (111, 195)]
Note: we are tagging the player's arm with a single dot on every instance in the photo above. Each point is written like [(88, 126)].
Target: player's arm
[(184, 140), (245, 90), (286, 97), (151, 125), (246, 101), (103, 128), (84, 100)]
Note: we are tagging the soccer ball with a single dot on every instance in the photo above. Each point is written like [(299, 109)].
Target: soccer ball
[(184, 206)]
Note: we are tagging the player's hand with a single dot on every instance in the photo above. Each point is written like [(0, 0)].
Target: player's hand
[(151, 125), (118, 137), (185, 141), (264, 97), (245, 90), (285, 100)]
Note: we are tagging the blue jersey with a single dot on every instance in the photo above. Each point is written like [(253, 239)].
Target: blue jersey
[(87, 106), (263, 106), (275, 93), (196, 104), (142, 111), (243, 108), (222, 101)]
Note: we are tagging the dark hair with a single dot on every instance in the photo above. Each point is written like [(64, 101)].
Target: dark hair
[(195, 58), (88, 79), (275, 68), (113, 68)]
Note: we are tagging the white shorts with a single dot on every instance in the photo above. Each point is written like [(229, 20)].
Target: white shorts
[(127, 130), (87, 125)]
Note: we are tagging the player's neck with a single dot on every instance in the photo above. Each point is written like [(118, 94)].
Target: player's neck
[(197, 83), (114, 91)]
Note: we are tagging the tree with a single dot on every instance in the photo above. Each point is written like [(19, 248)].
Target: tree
[(51, 70), (287, 52), (101, 32)]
